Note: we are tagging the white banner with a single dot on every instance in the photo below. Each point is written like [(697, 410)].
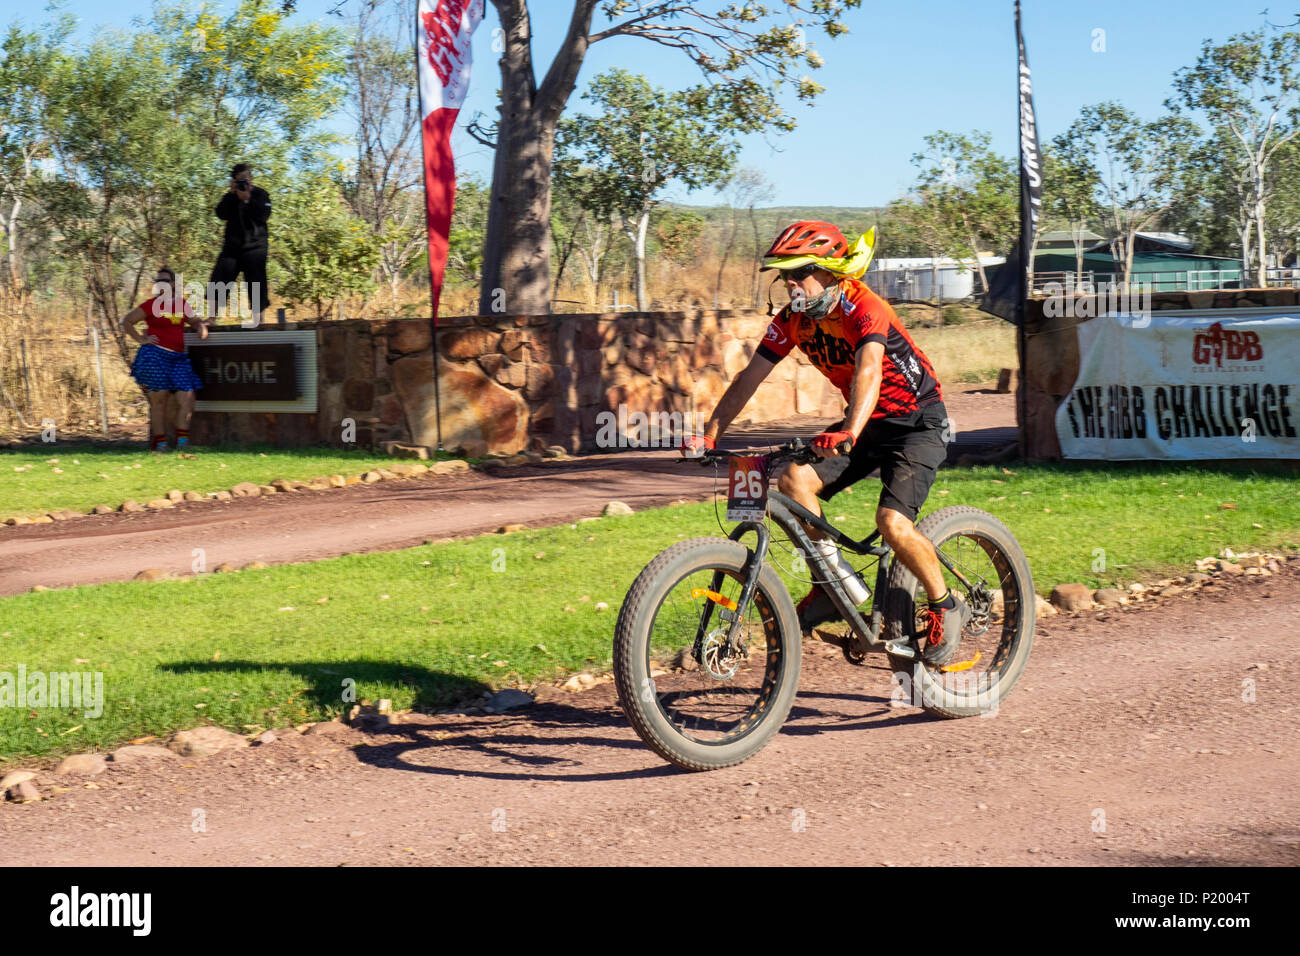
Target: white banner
[(443, 34), (1188, 387)]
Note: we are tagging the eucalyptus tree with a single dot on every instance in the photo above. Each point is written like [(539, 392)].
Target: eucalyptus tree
[(1247, 88), (747, 53), (642, 139)]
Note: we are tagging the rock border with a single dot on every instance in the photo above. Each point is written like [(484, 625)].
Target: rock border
[(1076, 598)]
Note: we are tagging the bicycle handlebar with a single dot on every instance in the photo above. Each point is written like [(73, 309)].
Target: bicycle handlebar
[(796, 450)]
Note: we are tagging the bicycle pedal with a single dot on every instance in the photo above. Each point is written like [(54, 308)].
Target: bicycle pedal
[(905, 651)]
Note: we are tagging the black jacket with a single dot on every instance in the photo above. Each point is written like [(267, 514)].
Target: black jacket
[(245, 222)]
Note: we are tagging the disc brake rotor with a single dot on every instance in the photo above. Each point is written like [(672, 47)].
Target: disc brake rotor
[(716, 658)]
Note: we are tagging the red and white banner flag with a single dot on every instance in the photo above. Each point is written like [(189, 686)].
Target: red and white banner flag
[(443, 31)]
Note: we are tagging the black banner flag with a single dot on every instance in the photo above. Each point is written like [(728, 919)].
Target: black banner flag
[(1007, 292)]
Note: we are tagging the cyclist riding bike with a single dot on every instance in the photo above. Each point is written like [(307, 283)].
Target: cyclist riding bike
[(895, 419)]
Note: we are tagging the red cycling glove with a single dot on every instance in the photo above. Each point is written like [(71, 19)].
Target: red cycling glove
[(694, 446), (831, 440)]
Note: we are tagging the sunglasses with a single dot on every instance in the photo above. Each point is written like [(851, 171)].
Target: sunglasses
[(798, 275)]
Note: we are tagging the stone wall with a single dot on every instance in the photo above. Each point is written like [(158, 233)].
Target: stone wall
[(1051, 361), (520, 383)]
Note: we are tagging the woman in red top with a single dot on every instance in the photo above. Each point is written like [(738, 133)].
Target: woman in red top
[(161, 365)]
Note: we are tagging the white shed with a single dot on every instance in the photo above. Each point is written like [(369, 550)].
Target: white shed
[(914, 278)]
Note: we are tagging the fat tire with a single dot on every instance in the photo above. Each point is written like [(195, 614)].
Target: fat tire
[(938, 526), (632, 634)]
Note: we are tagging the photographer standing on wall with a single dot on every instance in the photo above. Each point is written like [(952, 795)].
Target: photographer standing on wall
[(245, 209)]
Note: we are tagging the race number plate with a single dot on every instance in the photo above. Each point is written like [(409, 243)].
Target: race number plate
[(746, 488)]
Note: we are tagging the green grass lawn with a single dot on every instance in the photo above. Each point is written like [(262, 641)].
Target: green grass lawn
[(87, 475), (436, 624)]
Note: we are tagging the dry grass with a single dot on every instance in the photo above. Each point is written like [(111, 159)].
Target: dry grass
[(59, 382), (968, 353)]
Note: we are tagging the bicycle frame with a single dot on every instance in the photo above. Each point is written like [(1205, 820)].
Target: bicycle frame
[(788, 514), (791, 517)]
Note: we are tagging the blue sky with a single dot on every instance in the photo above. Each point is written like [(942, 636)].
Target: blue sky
[(905, 69)]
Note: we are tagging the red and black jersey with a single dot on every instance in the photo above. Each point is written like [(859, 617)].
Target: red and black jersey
[(908, 381)]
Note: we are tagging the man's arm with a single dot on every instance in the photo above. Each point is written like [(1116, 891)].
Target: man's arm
[(196, 321), (129, 323), (737, 395), (228, 207), (259, 205), (865, 391)]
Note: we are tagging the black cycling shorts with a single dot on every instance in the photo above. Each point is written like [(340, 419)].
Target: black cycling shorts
[(907, 453)]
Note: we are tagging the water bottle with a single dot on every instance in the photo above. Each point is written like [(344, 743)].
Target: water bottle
[(842, 571)]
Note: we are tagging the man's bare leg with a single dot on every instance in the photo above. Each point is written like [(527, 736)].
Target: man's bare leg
[(802, 483), (914, 549), (157, 415)]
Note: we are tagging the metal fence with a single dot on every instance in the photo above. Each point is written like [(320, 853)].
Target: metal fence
[(1192, 280)]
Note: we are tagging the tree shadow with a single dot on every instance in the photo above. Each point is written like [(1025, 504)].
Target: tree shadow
[(1251, 847), (324, 679)]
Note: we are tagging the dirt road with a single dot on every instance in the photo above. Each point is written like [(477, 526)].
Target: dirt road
[(309, 526), (1160, 734)]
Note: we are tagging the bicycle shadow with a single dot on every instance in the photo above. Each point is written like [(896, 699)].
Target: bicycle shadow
[(550, 741), (529, 739)]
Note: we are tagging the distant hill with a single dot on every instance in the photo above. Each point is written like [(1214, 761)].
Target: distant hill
[(851, 219)]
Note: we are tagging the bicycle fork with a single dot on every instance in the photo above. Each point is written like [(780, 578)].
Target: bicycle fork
[(734, 616)]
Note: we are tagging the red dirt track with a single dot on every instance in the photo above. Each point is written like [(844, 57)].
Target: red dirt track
[(1161, 733), (1135, 714)]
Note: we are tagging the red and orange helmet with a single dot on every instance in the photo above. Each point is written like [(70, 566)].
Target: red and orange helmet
[(821, 244)]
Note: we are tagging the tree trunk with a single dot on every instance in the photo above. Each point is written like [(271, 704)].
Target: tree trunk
[(1260, 247), (979, 266), (1129, 240), (11, 236), (1078, 255), (726, 254), (638, 244), (1244, 233), (517, 245), (758, 261)]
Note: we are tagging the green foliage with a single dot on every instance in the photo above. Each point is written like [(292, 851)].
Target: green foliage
[(617, 162), (438, 637), (1248, 90), (972, 185), (329, 253), (953, 315), (144, 125), (468, 222), (90, 475), (678, 233), (1143, 166)]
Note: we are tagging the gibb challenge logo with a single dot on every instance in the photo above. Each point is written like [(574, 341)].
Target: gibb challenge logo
[(1214, 345)]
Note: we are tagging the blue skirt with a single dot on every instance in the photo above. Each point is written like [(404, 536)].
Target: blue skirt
[(161, 370)]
